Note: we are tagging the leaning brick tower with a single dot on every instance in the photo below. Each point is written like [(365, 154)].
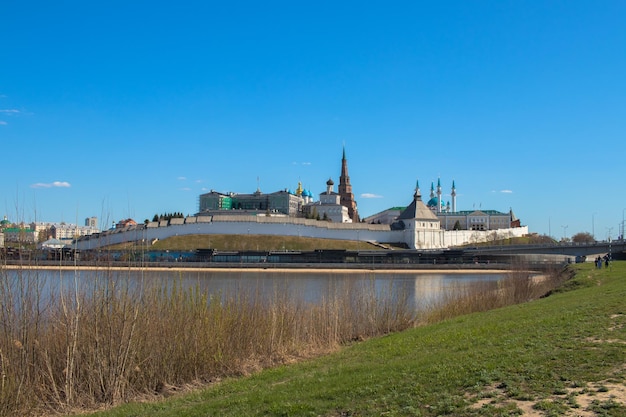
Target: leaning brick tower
[(345, 190)]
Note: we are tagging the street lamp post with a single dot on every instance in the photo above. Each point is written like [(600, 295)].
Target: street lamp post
[(593, 226), (610, 260)]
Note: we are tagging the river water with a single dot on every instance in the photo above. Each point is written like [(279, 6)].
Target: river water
[(419, 288)]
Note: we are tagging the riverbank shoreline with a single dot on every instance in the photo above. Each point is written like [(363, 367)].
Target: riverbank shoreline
[(282, 268)]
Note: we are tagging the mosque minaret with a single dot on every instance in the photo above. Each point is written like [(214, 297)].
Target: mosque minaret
[(453, 194), (439, 204)]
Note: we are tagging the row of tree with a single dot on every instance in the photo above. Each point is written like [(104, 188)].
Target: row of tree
[(167, 216)]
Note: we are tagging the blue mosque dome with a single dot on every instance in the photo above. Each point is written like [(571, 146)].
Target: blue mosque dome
[(433, 202)]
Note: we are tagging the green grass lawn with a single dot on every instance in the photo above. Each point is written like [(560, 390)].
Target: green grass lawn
[(563, 352)]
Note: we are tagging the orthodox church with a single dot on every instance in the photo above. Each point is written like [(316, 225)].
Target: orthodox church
[(328, 207), (338, 207)]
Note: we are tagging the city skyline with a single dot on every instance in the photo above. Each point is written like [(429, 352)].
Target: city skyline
[(132, 110)]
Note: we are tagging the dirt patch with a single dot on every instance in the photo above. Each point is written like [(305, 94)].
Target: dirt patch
[(599, 395), (610, 341), (619, 322), (573, 402)]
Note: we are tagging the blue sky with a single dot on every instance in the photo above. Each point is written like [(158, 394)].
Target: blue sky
[(128, 109)]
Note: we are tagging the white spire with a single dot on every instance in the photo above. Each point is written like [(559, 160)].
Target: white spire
[(439, 204), (453, 194)]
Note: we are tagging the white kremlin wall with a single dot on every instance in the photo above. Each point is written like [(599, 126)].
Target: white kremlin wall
[(468, 237), (287, 226)]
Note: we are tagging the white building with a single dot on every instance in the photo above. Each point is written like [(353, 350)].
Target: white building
[(65, 231), (422, 227), (19, 234), (91, 222), (329, 206)]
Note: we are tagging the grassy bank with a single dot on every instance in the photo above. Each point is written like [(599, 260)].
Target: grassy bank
[(565, 353), (278, 243), (248, 243)]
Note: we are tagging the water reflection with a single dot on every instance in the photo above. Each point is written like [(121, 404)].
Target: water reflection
[(420, 289)]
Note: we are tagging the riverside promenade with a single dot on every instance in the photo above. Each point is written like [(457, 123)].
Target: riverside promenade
[(482, 268)]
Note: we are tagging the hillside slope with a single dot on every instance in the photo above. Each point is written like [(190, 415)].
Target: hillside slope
[(562, 355)]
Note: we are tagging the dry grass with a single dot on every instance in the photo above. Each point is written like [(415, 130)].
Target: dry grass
[(106, 341), (519, 286)]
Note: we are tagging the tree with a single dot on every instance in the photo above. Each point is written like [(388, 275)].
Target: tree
[(583, 237), (536, 239)]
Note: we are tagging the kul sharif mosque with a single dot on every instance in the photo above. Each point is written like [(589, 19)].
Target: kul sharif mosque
[(435, 202), (452, 219)]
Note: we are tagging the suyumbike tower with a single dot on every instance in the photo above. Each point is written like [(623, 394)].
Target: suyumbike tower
[(345, 190)]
